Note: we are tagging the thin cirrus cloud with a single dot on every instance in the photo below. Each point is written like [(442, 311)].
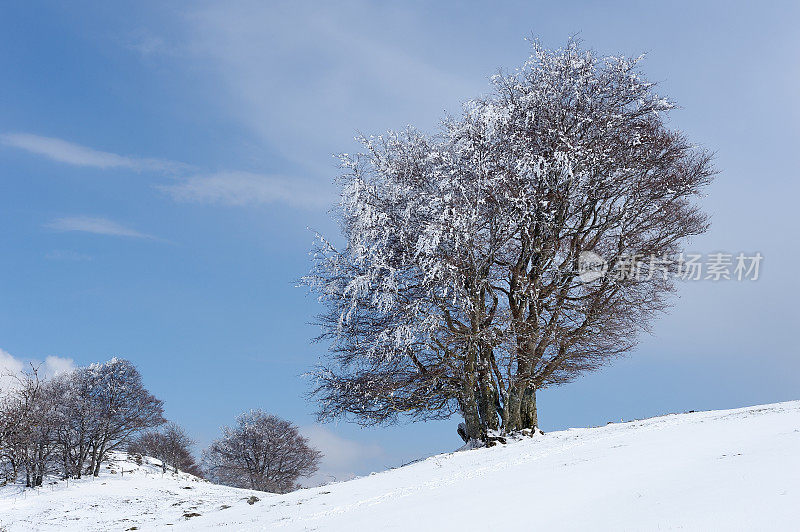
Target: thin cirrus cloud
[(371, 79), (70, 153), (94, 225), (67, 255), (233, 188), (246, 188)]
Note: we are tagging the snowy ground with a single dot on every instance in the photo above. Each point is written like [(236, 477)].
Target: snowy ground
[(125, 495), (731, 470)]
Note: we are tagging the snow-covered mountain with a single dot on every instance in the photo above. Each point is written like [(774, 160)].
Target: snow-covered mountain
[(731, 469)]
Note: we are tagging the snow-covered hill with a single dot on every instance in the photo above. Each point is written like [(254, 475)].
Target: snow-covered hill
[(731, 470), (126, 496)]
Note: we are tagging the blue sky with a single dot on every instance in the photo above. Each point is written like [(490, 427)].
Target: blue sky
[(161, 162)]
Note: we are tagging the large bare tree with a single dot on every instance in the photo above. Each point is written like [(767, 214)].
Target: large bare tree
[(459, 288)]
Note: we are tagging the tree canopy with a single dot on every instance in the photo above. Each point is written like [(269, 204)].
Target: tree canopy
[(459, 287)]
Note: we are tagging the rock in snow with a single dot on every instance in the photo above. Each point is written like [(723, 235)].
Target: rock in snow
[(729, 469)]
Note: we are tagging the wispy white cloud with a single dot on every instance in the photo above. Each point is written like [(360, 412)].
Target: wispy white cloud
[(364, 80), (343, 459), (95, 225), (67, 255), (70, 153), (12, 368), (54, 366), (234, 188), (145, 43), (246, 188)]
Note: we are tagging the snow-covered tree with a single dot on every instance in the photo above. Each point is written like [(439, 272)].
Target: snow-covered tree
[(261, 452), (122, 405), (27, 428), (458, 289), (69, 423), (78, 415)]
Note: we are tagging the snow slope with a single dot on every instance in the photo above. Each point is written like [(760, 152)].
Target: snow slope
[(732, 470), (125, 495)]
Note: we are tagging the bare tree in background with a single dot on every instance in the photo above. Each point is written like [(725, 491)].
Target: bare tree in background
[(171, 445), (12, 423), (261, 452), (124, 407), (69, 423), (78, 415), (459, 288), (28, 427)]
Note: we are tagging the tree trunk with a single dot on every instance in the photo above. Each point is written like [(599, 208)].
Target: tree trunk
[(83, 454), (471, 428), (529, 418), (38, 477), (98, 460), (96, 471), (487, 402), (93, 461), (486, 405), (65, 459)]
